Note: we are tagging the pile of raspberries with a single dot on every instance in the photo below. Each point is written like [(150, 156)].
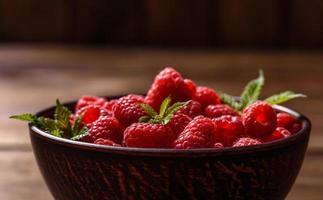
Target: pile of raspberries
[(202, 122)]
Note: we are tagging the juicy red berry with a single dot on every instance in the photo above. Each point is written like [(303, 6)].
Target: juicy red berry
[(107, 128), (106, 142), (169, 83), (259, 119), (218, 145), (199, 133), (147, 135), (192, 109), (128, 110), (206, 96), (178, 123), (228, 129), (288, 122), (246, 142), (191, 85), (109, 105), (214, 111), (89, 113), (89, 100), (279, 133)]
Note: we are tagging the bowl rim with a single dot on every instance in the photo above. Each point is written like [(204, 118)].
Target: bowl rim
[(303, 134)]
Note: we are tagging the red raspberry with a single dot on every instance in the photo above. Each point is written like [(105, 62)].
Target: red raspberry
[(214, 111), (89, 113), (227, 129), (206, 96), (89, 100), (246, 142), (289, 122), (169, 83), (279, 133), (109, 105), (128, 110), (107, 128), (192, 109), (178, 123), (199, 133), (148, 135), (259, 119), (106, 142), (218, 145), (191, 85)]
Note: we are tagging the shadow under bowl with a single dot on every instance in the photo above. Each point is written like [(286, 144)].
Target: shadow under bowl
[(76, 170)]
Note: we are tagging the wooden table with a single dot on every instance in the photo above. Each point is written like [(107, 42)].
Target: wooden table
[(32, 77)]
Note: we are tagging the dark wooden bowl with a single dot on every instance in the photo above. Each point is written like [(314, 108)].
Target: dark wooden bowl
[(75, 170)]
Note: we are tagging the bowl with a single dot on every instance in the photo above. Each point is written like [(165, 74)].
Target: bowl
[(77, 170)]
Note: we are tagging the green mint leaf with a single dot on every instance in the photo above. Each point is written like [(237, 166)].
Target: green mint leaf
[(47, 124), (76, 126), (283, 97), (164, 106), (175, 107), (149, 109), (82, 133), (56, 133), (144, 119), (252, 91), (25, 117), (62, 115), (229, 100)]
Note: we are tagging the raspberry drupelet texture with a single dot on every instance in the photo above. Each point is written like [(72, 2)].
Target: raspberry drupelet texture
[(246, 142), (106, 142), (106, 128), (148, 135), (259, 119), (214, 111), (192, 109), (228, 129), (178, 123), (89, 114), (288, 122), (279, 133), (89, 100), (206, 96), (169, 83), (199, 133), (127, 109)]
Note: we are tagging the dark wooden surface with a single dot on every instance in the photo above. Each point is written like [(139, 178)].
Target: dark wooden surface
[(32, 77), (219, 23)]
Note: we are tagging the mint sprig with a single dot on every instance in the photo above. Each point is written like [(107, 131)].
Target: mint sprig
[(59, 126), (166, 112), (252, 92)]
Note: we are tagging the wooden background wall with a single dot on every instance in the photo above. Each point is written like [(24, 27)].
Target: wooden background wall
[(218, 23)]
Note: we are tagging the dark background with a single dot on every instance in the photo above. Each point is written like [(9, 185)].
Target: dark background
[(281, 24)]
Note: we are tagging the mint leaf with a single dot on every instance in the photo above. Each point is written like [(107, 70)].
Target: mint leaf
[(82, 133), (25, 117), (62, 115), (148, 109), (164, 106), (175, 107), (252, 91), (283, 97), (230, 100)]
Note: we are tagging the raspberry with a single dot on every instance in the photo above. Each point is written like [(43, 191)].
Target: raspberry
[(206, 96), (246, 142), (127, 109), (106, 128), (279, 133), (106, 142), (89, 100), (288, 122), (169, 83), (218, 145), (178, 122), (109, 105), (214, 111), (89, 113), (259, 119), (227, 129), (148, 135), (199, 133), (191, 85), (192, 109)]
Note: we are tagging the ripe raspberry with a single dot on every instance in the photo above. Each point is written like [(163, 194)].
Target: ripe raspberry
[(169, 83), (246, 142), (227, 129), (279, 133), (109, 105), (89, 100), (199, 133), (288, 122), (259, 119), (178, 123), (148, 135), (192, 109), (107, 128), (214, 111), (218, 145), (206, 96), (191, 85), (127, 109), (106, 142), (89, 113)]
